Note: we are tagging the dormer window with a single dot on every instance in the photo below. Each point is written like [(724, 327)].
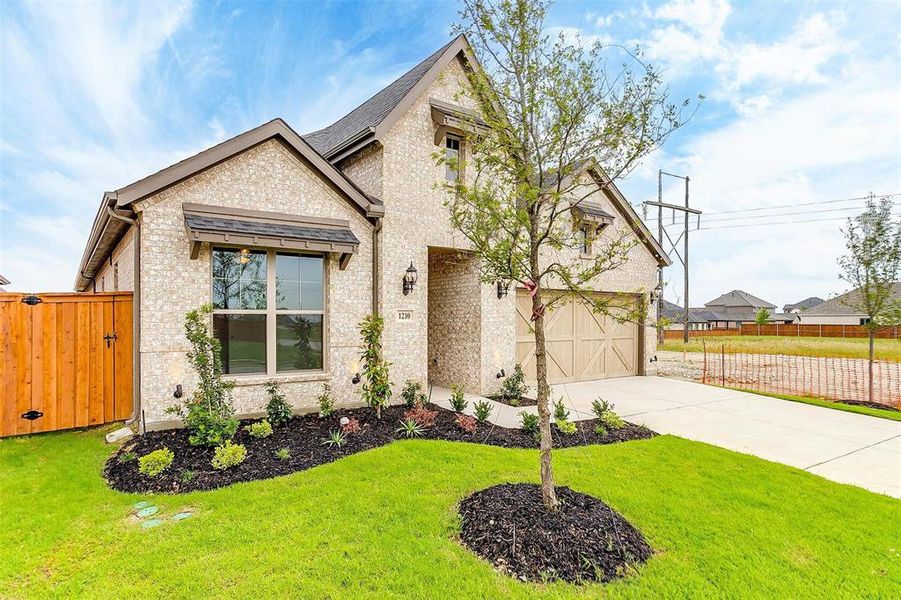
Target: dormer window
[(452, 154)]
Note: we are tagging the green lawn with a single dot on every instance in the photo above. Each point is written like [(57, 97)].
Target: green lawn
[(382, 524), (801, 346), (891, 415)]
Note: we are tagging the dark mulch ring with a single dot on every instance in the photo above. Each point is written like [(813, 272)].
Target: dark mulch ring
[(521, 401), (585, 540), (869, 405), (303, 436)]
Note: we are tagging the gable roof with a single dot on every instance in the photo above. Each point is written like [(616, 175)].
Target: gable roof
[(676, 313), (4, 280), (371, 120), (839, 306), (739, 298), (803, 304), (107, 230)]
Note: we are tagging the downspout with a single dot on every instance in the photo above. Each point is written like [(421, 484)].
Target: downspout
[(375, 265), (135, 317)]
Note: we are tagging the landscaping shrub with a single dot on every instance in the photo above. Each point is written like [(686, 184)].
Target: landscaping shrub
[(483, 410), (466, 423), (565, 427), (529, 423), (208, 414), (600, 430), (603, 410), (228, 455), (259, 430), (326, 403), (611, 420), (410, 428), (560, 412), (283, 454), (412, 394), (335, 438), (457, 401), (186, 475), (352, 426), (278, 412), (377, 382), (154, 463), (514, 386), (421, 415), (599, 407), (127, 457)]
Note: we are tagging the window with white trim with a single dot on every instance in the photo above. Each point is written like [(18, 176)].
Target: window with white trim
[(268, 310)]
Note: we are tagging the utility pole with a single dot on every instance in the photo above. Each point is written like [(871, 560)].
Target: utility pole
[(661, 232)]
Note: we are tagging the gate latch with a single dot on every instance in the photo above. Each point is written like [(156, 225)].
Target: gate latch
[(110, 337), (31, 300), (31, 415)]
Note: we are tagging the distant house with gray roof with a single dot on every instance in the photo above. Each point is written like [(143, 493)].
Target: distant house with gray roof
[(802, 305), (737, 307), (3, 281), (840, 310)]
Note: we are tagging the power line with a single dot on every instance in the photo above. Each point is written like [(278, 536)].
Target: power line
[(793, 222), (739, 210), (789, 214)]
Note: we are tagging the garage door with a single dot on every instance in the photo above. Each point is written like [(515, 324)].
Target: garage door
[(581, 345)]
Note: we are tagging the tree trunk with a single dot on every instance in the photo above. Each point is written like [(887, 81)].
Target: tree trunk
[(872, 352), (544, 414)]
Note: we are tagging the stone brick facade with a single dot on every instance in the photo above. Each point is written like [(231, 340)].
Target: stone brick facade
[(118, 274)]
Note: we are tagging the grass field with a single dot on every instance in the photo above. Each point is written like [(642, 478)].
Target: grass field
[(891, 415), (801, 346), (382, 524)]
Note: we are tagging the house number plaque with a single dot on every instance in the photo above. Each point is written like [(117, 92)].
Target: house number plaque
[(405, 315)]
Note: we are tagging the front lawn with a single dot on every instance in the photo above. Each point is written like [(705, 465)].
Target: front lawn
[(800, 346), (382, 523)]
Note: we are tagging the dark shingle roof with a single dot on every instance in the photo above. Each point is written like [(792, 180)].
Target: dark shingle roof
[(595, 211), (373, 111), (280, 230), (803, 304), (739, 298), (839, 306)]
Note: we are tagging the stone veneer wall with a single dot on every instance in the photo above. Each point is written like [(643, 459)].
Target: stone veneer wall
[(268, 177), (454, 321), (123, 257)]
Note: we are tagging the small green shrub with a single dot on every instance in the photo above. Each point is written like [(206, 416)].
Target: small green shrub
[(278, 412), (228, 455), (483, 410), (259, 430), (376, 378), (283, 454), (560, 412), (457, 401), (154, 463), (600, 430), (611, 420), (185, 475), (326, 403), (412, 394), (565, 427), (529, 423), (336, 438), (127, 457), (410, 428), (599, 407), (514, 386)]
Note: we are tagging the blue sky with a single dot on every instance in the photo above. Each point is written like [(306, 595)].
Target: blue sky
[(803, 106)]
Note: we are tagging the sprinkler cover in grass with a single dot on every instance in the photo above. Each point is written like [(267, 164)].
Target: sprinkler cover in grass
[(181, 516), (146, 512), (141, 504), (151, 523)]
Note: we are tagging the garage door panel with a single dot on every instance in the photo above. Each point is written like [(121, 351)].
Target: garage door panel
[(581, 345)]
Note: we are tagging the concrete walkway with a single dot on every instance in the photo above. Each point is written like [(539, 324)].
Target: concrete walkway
[(844, 447)]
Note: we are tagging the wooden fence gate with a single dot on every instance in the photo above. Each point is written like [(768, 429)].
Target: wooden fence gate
[(65, 361)]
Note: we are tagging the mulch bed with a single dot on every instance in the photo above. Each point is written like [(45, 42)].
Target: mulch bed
[(521, 401), (303, 436), (585, 540), (869, 405)]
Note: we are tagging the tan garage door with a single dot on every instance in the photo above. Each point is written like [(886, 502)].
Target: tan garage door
[(580, 344)]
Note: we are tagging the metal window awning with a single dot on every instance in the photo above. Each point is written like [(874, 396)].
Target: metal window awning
[(454, 119), (592, 213), (260, 229)]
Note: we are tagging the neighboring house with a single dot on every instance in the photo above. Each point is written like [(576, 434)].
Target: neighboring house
[(838, 312), (295, 239), (699, 319), (3, 281), (737, 307), (793, 309)]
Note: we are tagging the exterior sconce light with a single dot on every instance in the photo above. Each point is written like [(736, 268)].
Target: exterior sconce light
[(656, 293), (410, 277), (178, 391), (501, 289), (355, 379), (501, 374)]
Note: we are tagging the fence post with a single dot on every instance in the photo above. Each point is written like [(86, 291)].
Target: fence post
[(723, 364)]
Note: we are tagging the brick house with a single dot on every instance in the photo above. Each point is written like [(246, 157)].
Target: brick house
[(295, 239)]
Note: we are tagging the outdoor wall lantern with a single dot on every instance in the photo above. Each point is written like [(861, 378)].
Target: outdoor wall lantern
[(656, 293), (410, 277), (501, 289)]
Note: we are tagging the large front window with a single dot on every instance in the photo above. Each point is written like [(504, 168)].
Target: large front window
[(268, 310)]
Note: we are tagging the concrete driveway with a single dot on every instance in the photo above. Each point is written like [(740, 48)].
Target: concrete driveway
[(844, 447)]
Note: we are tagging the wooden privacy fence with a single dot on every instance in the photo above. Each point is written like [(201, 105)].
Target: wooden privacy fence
[(65, 361), (802, 330), (676, 334)]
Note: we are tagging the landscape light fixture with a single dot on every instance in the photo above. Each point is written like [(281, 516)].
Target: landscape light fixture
[(501, 289), (410, 277)]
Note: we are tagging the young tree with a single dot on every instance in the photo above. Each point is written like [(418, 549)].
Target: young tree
[(761, 317), (549, 109), (872, 265)]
